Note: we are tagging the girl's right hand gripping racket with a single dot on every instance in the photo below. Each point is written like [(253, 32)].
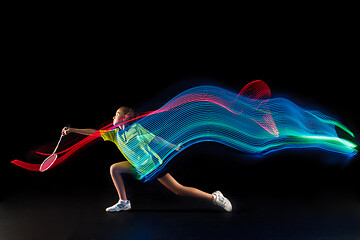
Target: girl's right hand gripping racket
[(49, 161)]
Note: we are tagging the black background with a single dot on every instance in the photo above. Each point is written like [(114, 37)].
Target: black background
[(80, 76), (69, 84)]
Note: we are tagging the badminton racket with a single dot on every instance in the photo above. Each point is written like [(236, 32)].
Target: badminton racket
[(49, 161)]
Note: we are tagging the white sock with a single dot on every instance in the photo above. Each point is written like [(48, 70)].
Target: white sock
[(214, 198)]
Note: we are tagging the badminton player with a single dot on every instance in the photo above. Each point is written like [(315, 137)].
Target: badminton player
[(120, 137)]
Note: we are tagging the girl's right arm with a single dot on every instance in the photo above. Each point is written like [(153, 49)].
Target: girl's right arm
[(87, 131)]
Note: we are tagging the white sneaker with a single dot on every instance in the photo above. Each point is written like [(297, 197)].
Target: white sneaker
[(222, 201), (120, 206)]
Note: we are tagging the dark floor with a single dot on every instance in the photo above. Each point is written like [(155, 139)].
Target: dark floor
[(29, 214), (272, 199)]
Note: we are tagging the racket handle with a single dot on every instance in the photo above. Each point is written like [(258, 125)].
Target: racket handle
[(67, 126)]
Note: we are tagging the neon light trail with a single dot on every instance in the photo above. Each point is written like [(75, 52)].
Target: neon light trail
[(251, 122)]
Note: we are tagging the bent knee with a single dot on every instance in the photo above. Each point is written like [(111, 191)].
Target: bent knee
[(115, 169)]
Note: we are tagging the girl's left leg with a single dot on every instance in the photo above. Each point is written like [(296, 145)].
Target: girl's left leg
[(169, 182), (217, 197)]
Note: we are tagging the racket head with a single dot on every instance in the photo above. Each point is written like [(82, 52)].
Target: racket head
[(48, 162)]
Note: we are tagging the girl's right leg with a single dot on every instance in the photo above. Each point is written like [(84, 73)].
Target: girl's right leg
[(115, 171)]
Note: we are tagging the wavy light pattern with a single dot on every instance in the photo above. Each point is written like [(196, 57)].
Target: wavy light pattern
[(250, 122)]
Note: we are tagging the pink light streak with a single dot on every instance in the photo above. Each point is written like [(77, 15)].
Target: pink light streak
[(255, 90)]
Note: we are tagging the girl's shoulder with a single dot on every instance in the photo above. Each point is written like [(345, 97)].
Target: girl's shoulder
[(137, 127), (109, 135)]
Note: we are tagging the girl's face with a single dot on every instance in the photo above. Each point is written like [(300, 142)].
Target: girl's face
[(118, 115)]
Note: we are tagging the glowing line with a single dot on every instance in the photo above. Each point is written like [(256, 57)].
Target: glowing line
[(250, 122)]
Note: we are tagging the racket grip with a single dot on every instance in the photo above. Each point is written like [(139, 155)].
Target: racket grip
[(66, 127)]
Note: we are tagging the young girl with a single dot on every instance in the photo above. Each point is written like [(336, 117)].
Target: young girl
[(122, 137)]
